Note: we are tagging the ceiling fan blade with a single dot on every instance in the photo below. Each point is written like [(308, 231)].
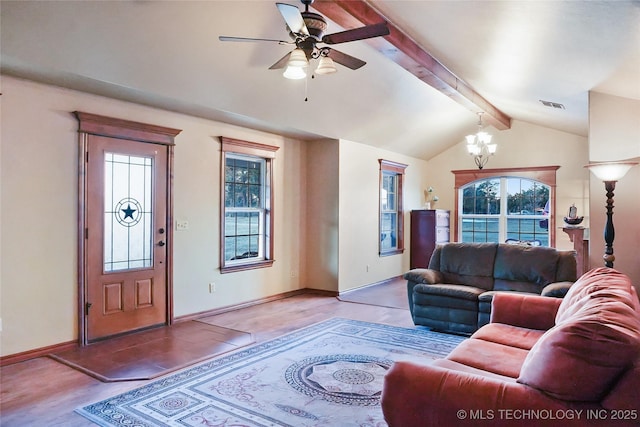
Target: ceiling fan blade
[(346, 60), (247, 39), (293, 18), (282, 62), (366, 32)]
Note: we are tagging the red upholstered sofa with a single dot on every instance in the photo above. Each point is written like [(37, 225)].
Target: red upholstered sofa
[(539, 362)]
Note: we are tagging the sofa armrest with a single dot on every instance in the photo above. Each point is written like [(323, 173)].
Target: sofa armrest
[(423, 275), (425, 395), (524, 310), (556, 289)]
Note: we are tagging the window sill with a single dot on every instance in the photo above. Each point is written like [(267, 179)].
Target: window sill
[(394, 252), (248, 266)]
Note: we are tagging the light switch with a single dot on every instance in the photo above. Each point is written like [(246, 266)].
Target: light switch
[(182, 224)]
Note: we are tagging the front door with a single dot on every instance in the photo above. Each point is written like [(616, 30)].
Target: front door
[(126, 234)]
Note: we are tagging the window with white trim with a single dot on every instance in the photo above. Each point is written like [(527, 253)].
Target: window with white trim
[(391, 213), (505, 209), (247, 210)]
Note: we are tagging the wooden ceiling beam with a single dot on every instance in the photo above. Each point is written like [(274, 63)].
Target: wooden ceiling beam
[(400, 48)]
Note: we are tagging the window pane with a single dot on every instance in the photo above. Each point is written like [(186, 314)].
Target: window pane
[(526, 197), (254, 225), (388, 229), (229, 225), (482, 197), (229, 247), (228, 171), (128, 212), (255, 192), (240, 196), (242, 235), (388, 192), (480, 229), (391, 201), (228, 195), (528, 230), (254, 174)]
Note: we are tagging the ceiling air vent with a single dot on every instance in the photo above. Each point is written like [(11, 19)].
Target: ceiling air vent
[(552, 104)]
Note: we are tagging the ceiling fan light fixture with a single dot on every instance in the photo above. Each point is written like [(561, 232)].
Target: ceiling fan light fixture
[(298, 58), (326, 66), (294, 73)]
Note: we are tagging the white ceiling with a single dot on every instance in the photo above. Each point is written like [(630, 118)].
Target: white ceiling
[(167, 54)]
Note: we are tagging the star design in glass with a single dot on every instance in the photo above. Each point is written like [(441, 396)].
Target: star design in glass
[(128, 212)]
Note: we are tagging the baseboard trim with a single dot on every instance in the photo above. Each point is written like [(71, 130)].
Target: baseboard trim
[(251, 303), (381, 282), (55, 348), (38, 352)]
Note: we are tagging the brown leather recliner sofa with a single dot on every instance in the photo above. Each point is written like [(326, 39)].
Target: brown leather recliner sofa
[(454, 294), (540, 362)]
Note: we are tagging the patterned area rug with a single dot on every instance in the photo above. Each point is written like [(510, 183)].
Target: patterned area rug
[(328, 374)]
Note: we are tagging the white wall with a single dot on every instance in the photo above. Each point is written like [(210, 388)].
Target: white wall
[(39, 212), (360, 263), (524, 145), (614, 134), (614, 127), (322, 215)]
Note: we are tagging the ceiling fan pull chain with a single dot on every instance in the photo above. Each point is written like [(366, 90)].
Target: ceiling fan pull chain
[(306, 89)]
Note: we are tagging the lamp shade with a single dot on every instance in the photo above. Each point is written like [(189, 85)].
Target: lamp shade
[(326, 66), (610, 171), (294, 73), (297, 58)]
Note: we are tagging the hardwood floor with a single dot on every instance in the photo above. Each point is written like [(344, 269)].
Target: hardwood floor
[(165, 349), (44, 392), (379, 294)]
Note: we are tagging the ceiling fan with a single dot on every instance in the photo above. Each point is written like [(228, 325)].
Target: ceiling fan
[(306, 30)]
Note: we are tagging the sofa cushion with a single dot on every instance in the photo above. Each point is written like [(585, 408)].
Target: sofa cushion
[(468, 264), (423, 275), (556, 289), (489, 356), (596, 338), (512, 336), (455, 291), (599, 284), (524, 268), (626, 393), (485, 299), (567, 267), (455, 366), (449, 303)]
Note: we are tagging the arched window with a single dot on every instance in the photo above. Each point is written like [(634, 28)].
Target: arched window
[(505, 209), (506, 205)]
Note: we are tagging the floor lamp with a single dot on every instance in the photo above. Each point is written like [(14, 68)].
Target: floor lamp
[(610, 173)]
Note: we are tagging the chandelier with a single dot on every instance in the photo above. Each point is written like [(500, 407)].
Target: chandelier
[(480, 146)]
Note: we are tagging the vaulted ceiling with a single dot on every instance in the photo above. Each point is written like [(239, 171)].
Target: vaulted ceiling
[(417, 94)]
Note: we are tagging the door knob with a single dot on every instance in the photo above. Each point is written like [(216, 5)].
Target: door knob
[(161, 243)]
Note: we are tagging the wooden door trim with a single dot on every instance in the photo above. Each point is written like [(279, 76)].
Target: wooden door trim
[(93, 124)]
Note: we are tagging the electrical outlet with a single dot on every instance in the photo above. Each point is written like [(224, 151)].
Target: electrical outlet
[(182, 224), (294, 274), (212, 287)]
